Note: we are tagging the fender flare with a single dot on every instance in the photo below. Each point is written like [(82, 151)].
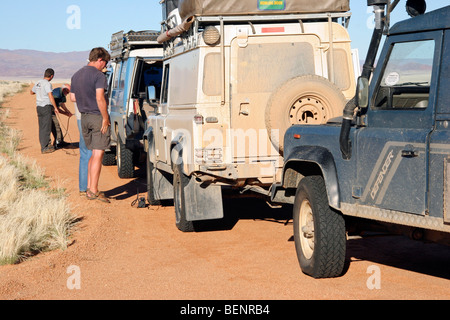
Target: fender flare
[(182, 144), (148, 136), (323, 158)]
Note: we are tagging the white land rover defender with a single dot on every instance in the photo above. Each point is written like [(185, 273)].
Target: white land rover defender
[(236, 75)]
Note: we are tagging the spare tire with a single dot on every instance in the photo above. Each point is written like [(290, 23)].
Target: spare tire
[(306, 99)]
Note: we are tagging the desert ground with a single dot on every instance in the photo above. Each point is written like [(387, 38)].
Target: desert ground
[(120, 252)]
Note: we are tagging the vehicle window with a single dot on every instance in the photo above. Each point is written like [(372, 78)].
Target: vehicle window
[(152, 76), (116, 75), (341, 70), (149, 73), (165, 89), (297, 59), (123, 76), (405, 83), (212, 80)]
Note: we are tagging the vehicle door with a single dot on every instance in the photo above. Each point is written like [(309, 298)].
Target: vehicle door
[(260, 65), (116, 94), (393, 148), (134, 119), (159, 122), (148, 75)]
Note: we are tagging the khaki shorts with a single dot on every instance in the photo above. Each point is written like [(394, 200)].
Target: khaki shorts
[(91, 126)]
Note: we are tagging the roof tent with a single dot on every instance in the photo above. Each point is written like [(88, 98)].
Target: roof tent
[(188, 8)]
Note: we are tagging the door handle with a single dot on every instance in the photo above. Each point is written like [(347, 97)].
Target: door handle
[(409, 153)]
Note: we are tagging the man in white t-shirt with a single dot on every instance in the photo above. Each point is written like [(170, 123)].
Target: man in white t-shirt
[(45, 103)]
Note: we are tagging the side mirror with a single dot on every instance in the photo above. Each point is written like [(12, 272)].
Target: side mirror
[(416, 7), (151, 93), (362, 92)]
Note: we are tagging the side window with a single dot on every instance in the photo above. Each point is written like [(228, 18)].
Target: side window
[(165, 90), (341, 69), (405, 83), (116, 76), (149, 74), (212, 80), (153, 77), (123, 75)]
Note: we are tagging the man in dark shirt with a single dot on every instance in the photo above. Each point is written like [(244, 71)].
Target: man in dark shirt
[(60, 98), (88, 91)]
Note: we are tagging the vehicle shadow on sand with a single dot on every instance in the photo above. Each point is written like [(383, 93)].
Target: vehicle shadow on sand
[(400, 252), (381, 248), (236, 207)]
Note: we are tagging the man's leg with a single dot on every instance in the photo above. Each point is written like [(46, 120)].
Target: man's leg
[(85, 155), (95, 167), (98, 142), (56, 130), (45, 126)]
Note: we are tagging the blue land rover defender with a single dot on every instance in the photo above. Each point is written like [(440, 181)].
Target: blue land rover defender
[(135, 84), (388, 159)]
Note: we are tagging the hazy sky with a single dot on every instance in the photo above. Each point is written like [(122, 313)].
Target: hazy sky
[(79, 25)]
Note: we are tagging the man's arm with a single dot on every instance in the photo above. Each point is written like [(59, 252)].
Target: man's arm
[(66, 111), (73, 97), (52, 100), (103, 107)]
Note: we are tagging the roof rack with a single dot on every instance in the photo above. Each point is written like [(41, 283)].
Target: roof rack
[(121, 43), (305, 17)]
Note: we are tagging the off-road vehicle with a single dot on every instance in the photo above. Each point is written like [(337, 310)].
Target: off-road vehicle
[(236, 75), (136, 68), (388, 160)]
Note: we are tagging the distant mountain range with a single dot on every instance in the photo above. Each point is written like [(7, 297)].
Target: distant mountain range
[(31, 64)]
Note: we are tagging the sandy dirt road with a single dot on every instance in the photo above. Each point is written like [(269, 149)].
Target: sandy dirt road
[(123, 252)]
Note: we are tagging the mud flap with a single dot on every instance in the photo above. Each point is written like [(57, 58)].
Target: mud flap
[(203, 203), (163, 186)]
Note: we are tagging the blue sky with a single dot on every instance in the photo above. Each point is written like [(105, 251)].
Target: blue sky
[(79, 25)]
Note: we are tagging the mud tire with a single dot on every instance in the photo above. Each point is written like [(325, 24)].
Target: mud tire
[(125, 163), (319, 231), (109, 159), (150, 184)]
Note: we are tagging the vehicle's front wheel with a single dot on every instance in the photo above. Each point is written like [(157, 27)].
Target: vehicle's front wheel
[(319, 231), (150, 187)]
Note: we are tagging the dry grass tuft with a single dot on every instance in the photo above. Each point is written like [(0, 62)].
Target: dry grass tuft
[(8, 88), (34, 222), (33, 217)]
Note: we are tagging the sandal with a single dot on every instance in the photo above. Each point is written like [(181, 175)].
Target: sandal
[(96, 196)]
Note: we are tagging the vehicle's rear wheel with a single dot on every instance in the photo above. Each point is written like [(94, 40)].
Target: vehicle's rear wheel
[(306, 99), (319, 231), (125, 163), (109, 159)]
